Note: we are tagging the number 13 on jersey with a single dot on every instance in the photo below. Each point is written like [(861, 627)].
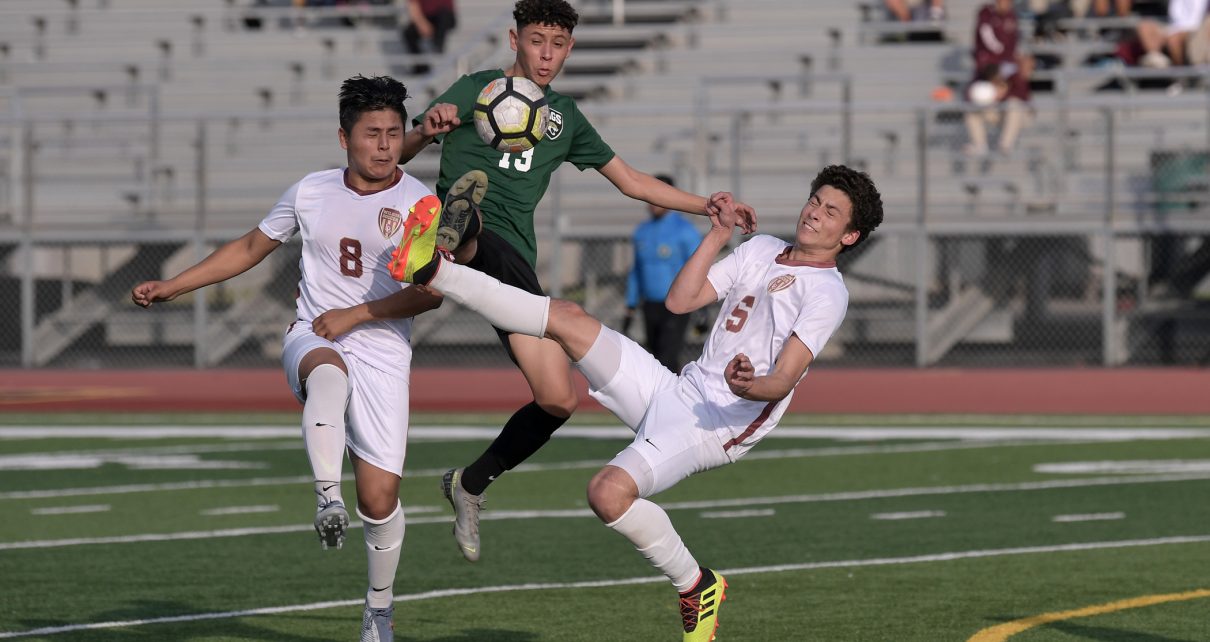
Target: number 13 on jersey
[(521, 164)]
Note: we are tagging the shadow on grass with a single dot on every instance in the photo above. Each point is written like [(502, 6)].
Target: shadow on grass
[(207, 629), (473, 635), (1106, 634)]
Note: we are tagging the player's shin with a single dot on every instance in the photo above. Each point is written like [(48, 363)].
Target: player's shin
[(504, 306), (647, 526), (324, 428), (384, 542)]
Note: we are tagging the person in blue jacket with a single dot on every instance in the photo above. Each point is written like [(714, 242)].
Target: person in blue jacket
[(661, 247)]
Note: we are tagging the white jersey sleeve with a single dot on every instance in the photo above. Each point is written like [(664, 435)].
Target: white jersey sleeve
[(822, 313), (281, 224)]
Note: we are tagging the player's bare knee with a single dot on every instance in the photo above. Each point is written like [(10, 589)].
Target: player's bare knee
[(608, 495), (377, 506), (560, 403)]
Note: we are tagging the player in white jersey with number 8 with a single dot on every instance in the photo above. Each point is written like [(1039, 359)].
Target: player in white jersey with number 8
[(348, 353), (781, 302)]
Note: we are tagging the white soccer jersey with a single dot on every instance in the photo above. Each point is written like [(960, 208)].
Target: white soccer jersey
[(347, 241), (766, 298)]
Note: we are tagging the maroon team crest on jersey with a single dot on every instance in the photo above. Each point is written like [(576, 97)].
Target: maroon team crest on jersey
[(389, 221), (780, 283)]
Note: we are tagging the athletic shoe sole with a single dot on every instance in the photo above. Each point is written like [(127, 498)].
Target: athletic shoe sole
[(460, 204)]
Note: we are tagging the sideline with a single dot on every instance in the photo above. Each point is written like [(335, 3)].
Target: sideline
[(1002, 632), (511, 588)]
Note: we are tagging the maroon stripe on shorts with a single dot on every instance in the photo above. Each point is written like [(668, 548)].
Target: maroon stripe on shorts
[(760, 419)]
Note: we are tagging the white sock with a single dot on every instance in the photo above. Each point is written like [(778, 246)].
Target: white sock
[(600, 364), (504, 306), (323, 421), (384, 542), (647, 526)]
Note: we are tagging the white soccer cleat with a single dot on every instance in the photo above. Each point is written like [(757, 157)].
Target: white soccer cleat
[(377, 625), (331, 522), (466, 513)]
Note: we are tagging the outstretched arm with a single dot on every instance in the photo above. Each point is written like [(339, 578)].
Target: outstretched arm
[(229, 260), (791, 364), (645, 187), (691, 289), (407, 302)]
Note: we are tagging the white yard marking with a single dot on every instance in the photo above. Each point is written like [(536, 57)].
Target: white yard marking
[(1125, 467), (734, 514), (917, 514), (240, 510), (743, 503), (70, 510), (437, 472), (1089, 517), (41, 461), (513, 588)]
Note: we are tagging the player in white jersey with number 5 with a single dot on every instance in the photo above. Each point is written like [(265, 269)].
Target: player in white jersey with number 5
[(348, 353), (781, 302)]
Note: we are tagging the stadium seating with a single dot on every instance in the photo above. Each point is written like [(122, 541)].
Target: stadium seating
[(176, 128)]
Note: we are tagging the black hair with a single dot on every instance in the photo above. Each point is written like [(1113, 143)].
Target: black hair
[(556, 13), (857, 185), (359, 95), (666, 178)]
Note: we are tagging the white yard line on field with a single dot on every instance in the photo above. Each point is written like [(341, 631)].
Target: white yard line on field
[(744, 503), (240, 510), (916, 514), (70, 510), (523, 468), (513, 588), (736, 514), (788, 453), (1088, 517)]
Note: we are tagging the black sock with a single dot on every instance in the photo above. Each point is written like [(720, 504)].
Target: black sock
[(706, 579), (426, 273), (524, 433)]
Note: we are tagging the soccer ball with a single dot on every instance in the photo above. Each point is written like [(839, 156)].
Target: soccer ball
[(511, 114), (983, 93)]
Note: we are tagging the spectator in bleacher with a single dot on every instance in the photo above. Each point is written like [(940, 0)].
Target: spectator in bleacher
[(1000, 105), (662, 244), (429, 22), (1048, 13), (348, 352), (999, 61), (1157, 45), (997, 35), (915, 10)]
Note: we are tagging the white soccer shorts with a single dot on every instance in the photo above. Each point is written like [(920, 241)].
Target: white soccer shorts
[(377, 415), (672, 441)]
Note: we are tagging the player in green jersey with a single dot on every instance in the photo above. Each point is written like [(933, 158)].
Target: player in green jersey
[(503, 244)]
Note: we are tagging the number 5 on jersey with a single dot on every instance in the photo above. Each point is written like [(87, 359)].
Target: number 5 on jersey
[(739, 315)]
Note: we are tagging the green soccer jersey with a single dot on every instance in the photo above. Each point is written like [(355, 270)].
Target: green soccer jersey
[(516, 182)]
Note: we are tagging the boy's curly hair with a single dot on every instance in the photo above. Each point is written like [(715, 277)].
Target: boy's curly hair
[(359, 95), (545, 12), (857, 185)]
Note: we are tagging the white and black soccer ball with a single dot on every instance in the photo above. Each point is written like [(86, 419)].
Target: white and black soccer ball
[(511, 114)]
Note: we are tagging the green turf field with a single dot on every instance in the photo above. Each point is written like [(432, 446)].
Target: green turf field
[(834, 528)]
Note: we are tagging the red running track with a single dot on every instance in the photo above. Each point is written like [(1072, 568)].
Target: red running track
[(1160, 391)]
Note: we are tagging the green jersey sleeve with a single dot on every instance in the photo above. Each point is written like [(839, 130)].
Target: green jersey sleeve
[(589, 151)]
